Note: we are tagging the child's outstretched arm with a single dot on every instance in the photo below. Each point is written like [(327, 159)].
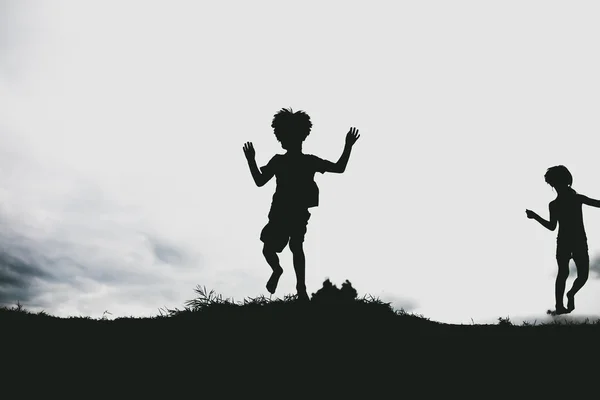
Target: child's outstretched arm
[(589, 202), (259, 178), (550, 225), (340, 166)]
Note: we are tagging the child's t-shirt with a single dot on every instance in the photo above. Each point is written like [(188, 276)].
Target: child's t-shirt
[(568, 209), (296, 187)]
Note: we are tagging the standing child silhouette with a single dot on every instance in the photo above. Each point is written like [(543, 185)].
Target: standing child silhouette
[(571, 241), (296, 191)]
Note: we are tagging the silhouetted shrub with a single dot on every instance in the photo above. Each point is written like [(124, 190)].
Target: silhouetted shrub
[(330, 293)]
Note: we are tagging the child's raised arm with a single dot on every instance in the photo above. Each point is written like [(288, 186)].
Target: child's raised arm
[(589, 202), (259, 178), (340, 166)]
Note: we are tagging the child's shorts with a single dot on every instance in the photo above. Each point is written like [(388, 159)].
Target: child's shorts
[(283, 227), (572, 249)]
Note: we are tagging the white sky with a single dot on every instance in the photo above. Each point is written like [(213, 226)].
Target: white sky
[(122, 125)]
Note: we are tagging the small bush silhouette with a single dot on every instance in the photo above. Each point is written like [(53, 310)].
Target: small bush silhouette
[(330, 293)]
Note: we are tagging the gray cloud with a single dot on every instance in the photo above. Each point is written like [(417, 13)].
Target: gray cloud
[(594, 267), (16, 278), (26, 272), (41, 272), (399, 302), (29, 268), (166, 252), (68, 246), (19, 271)]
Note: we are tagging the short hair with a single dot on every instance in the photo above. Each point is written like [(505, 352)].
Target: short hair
[(288, 123), (558, 175)]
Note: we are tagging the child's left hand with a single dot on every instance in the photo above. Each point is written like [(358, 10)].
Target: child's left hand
[(352, 136), (530, 214)]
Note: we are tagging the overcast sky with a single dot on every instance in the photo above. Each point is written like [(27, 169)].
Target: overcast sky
[(123, 184)]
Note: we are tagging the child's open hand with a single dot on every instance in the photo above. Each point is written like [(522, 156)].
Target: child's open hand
[(249, 151), (530, 214), (352, 136)]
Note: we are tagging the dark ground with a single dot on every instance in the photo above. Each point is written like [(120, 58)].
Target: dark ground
[(336, 343)]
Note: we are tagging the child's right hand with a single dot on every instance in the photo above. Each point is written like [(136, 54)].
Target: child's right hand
[(249, 151), (530, 214)]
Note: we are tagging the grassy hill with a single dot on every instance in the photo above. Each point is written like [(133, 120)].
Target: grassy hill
[(336, 333), (332, 310)]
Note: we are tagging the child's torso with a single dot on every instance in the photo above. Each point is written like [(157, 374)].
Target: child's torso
[(295, 182), (569, 214)]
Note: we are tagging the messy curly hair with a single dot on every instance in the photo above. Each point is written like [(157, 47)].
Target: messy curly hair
[(558, 175), (287, 123)]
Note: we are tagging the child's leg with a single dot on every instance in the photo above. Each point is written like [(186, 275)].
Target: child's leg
[(582, 262), (561, 280), (275, 239), (299, 266), (298, 230), (270, 254)]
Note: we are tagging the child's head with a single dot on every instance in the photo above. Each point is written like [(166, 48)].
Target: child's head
[(558, 177), (291, 126)]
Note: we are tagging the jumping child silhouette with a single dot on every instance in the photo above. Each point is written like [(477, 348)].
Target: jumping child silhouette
[(571, 241), (296, 191)]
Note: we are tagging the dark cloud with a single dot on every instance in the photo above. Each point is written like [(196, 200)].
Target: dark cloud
[(167, 253), (14, 269), (46, 272), (73, 272), (17, 278), (24, 270)]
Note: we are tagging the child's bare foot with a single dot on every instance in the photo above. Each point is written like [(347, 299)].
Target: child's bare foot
[(570, 302), (559, 311), (303, 296), (274, 280)]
